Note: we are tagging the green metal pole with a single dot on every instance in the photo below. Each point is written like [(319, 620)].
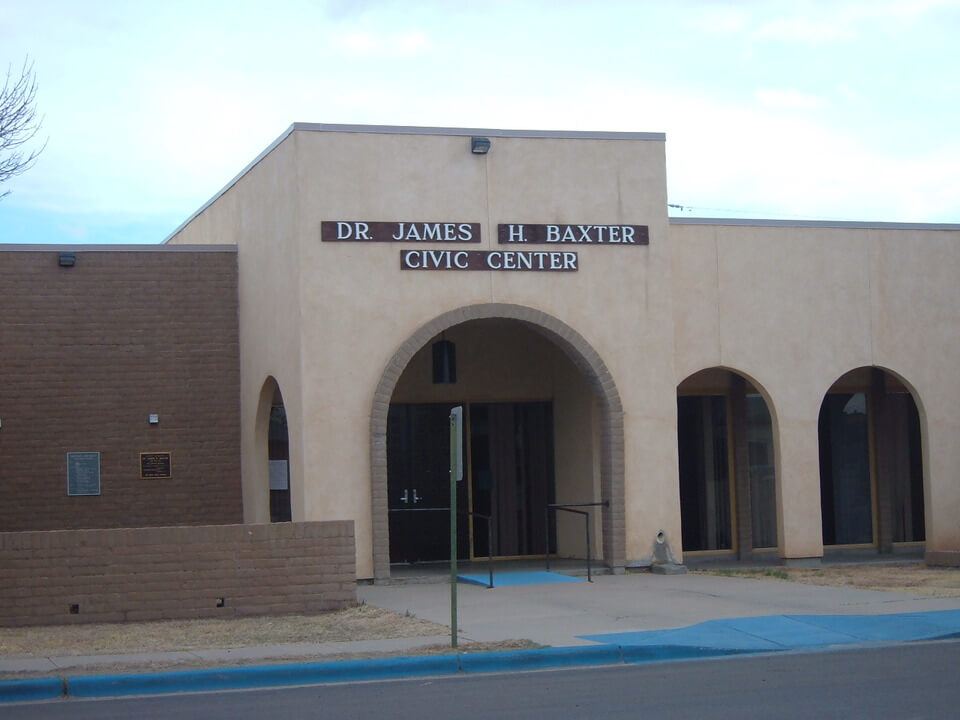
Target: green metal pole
[(454, 441)]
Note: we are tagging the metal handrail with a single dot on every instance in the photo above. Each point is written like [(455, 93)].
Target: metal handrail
[(569, 507), (469, 514)]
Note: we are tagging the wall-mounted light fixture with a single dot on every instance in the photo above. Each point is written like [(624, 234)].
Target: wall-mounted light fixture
[(479, 145), (67, 259)]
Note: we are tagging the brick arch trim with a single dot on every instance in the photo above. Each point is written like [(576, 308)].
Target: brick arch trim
[(580, 353)]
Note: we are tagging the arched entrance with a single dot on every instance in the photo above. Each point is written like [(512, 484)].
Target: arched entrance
[(871, 464), (272, 427), (516, 426), (728, 489)]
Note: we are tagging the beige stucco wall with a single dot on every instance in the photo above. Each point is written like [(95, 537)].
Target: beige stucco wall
[(790, 308), (794, 308), (363, 307)]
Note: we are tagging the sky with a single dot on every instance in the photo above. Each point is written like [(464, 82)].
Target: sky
[(827, 110)]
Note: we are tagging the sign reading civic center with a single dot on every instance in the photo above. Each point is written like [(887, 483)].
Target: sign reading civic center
[(555, 261)]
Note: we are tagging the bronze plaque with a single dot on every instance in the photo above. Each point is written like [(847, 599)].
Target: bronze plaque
[(155, 465), (561, 234), (510, 260), (408, 232)]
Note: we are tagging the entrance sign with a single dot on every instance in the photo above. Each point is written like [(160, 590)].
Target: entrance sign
[(83, 473), (623, 235), (537, 261), (364, 231)]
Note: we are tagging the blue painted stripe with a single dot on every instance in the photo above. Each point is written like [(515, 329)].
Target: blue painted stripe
[(260, 676), (36, 689), (537, 659)]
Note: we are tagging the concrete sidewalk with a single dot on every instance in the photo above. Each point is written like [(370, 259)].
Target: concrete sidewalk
[(628, 618), (562, 615)]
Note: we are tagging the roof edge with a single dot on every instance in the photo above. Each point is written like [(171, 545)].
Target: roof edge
[(233, 181), (152, 247), (466, 132), (848, 224)]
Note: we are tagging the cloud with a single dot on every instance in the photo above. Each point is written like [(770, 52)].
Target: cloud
[(788, 98), (373, 44)]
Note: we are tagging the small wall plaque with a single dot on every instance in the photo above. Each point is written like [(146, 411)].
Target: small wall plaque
[(154, 465), (83, 473)]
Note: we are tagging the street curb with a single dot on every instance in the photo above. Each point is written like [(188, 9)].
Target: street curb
[(36, 689), (538, 659), (259, 676)]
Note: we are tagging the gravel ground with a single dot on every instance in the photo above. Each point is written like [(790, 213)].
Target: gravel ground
[(910, 578)]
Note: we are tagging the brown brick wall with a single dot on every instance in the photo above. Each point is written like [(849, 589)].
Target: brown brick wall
[(86, 353), (176, 572)]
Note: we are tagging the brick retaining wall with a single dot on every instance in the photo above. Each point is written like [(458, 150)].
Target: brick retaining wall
[(159, 573)]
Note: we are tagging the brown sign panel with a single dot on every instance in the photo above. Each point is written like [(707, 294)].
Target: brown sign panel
[(154, 465), (560, 234), (539, 261), (361, 231)]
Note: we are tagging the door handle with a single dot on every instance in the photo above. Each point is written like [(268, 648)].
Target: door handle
[(405, 497), (416, 498)]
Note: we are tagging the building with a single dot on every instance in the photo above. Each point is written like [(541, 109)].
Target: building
[(705, 386)]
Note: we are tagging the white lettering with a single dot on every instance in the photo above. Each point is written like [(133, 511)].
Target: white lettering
[(569, 261), (553, 233), (344, 231), (412, 233), (409, 257), (585, 233), (515, 233), (525, 259), (399, 235), (494, 260), (555, 260), (449, 230), (431, 231), (509, 261), (568, 235), (460, 260), (628, 234), (466, 233), (614, 234), (362, 231)]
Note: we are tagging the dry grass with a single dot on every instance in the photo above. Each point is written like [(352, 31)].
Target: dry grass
[(359, 623), (912, 578)]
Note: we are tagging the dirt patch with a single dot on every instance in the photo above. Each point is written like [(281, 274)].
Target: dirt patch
[(359, 623), (127, 668), (904, 578)]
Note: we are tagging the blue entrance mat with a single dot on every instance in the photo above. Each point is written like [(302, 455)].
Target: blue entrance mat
[(509, 579)]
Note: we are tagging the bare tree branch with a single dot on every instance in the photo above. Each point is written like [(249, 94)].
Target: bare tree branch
[(18, 123)]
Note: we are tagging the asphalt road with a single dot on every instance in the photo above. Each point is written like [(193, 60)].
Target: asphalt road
[(905, 681)]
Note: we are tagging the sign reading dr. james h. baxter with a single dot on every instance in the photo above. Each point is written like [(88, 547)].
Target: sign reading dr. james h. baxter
[(537, 261)]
